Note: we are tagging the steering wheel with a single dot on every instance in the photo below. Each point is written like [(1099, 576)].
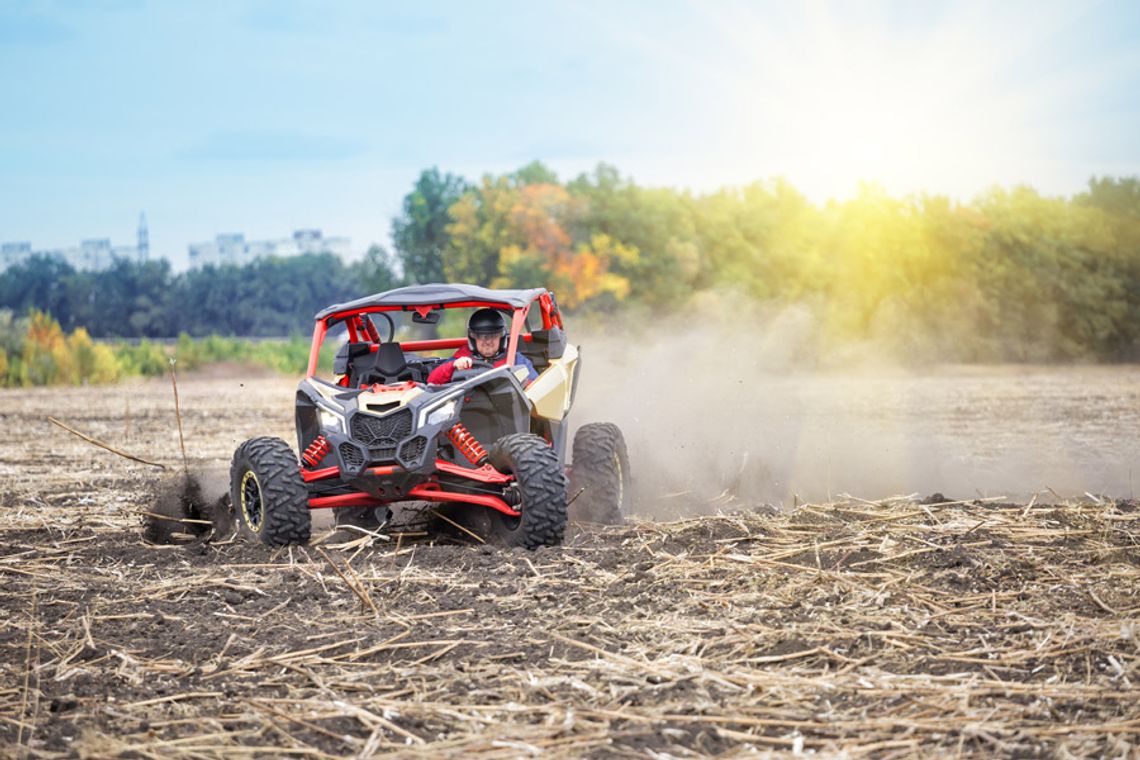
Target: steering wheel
[(477, 366), (391, 325)]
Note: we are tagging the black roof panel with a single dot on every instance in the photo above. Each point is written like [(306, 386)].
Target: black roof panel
[(436, 294)]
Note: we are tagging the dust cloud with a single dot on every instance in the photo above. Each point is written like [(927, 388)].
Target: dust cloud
[(732, 406), (195, 503)]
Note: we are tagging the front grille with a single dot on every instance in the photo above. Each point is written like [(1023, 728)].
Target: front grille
[(411, 451), (351, 456), (382, 434)]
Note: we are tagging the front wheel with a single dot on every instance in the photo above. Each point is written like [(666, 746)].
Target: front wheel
[(268, 494), (542, 486), (599, 475)]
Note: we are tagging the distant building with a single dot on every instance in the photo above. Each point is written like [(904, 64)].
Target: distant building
[(233, 248), (224, 249), (90, 255), (98, 253), (94, 254)]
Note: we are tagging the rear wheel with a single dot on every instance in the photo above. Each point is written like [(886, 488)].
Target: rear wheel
[(268, 495), (542, 487), (599, 476)]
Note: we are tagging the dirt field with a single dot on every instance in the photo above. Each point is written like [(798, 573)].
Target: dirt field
[(858, 627)]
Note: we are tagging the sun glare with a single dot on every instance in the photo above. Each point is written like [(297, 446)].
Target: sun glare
[(873, 120), (837, 104)]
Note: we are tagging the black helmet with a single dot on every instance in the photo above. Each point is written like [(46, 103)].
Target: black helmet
[(486, 322)]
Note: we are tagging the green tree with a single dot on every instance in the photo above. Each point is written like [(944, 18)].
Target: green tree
[(419, 233), (40, 282), (535, 173), (375, 273), (1118, 196), (658, 223), (480, 230)]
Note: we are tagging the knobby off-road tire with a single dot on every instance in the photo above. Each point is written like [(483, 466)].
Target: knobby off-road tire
[(269, 498), (542, 484), (599, 475)]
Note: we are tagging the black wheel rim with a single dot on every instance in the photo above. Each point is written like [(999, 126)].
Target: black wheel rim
[(252, 508)]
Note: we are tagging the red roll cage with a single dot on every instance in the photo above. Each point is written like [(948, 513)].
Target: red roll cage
[(364, 329)]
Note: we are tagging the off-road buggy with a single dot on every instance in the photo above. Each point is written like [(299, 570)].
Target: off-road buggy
[(373, 431)]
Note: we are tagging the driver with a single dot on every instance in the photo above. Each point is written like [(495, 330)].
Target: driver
[(487, 341)]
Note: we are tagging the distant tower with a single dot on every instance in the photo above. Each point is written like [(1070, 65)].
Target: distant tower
[(144, 239)]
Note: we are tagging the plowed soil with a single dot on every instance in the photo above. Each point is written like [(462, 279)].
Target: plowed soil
[(880, 627)]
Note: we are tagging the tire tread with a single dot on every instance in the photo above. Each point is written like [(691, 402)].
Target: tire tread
[(598, 494), (542, 482), (285, 500)]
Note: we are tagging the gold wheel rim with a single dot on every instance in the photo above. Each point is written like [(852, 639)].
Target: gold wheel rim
[(246, 507)]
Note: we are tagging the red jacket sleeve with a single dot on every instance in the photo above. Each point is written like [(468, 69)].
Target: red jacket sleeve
[(442, 374)]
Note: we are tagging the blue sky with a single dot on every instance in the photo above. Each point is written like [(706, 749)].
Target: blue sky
[(262, 117)]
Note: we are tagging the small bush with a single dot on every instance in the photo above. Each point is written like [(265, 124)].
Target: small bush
[(145, 358), (36, 351)]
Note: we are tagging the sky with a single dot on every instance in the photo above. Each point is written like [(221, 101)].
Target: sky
[(262, 117)]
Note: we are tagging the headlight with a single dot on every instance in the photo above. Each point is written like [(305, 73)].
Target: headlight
[(331, 420), (441, 413)]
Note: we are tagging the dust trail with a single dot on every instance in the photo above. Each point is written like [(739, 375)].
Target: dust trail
[(733, 405)]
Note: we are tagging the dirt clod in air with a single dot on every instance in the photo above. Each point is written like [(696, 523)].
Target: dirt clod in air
[(182, 510)]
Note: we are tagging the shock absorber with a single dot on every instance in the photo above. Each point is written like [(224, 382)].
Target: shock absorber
[(467, 444), (316, 451)]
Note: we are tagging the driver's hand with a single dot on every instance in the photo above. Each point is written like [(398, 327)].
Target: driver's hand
[(463, 362)]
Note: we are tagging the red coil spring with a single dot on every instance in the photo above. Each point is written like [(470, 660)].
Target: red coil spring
[(316, 451), (467, 444)]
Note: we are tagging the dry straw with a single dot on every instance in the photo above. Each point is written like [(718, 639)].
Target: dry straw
[(858, 628)]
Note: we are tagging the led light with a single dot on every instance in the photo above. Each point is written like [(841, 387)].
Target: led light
[(441, 414), (331, 421)]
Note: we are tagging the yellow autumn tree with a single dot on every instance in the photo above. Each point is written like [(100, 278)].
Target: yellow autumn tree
[(45, 355), (591, 269), (480, 229), (512, 235), (94, 362)]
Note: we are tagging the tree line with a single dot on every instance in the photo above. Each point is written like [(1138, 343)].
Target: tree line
[(1011, 275), (267, 297)]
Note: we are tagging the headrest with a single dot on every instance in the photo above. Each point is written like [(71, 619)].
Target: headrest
[(346, 354), (390, 360)]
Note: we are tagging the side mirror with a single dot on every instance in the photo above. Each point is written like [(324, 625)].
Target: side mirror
[(431, 318)]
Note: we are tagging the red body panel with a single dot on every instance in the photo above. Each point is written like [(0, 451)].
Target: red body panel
[(430, 491), (331, 472), (422, 492), (485, 474)]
